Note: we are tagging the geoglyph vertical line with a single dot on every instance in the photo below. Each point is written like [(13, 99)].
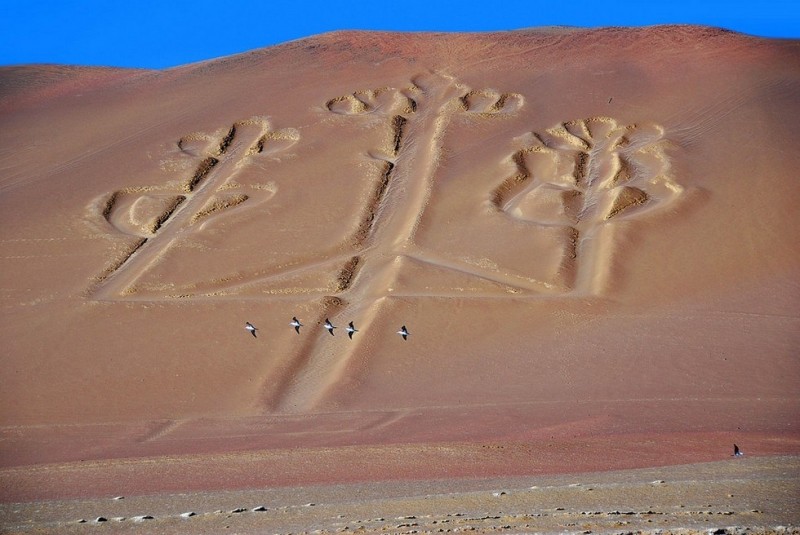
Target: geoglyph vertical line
[(402, 193)]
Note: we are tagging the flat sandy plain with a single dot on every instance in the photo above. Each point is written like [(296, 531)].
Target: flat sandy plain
[(591, 235)]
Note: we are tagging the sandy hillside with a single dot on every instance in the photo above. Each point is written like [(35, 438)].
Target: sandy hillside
[(592, 238)]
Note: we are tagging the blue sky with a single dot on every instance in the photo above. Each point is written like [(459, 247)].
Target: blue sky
[(165, 33)]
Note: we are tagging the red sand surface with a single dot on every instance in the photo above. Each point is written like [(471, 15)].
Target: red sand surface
[(592, 237)]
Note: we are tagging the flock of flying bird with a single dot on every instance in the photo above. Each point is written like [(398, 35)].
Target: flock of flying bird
[(351, 329)]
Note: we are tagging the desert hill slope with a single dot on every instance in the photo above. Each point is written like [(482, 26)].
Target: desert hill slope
[(589, 234)]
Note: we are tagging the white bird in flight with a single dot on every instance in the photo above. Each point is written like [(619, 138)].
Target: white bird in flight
[(296, 324), (250, 327), (328, 325), (403, 332), (351, 330)]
